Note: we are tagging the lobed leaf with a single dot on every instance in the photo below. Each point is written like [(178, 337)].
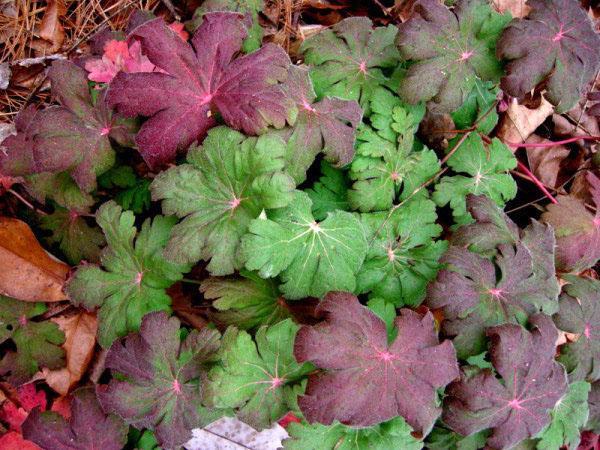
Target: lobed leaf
[(312, 257), (357, 365), (224, 186), (133, 275), (200, 80), (158, 386)]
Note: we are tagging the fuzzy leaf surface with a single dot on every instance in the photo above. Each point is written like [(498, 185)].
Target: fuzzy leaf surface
[(159, 386), (480, 170), (73, 137), (37, 343), (386, 167), (329, 193), (474, 296), (556, 41), (519, 406), (579, 314), (568, 418), (451, 50), (327, 126), (394, 433), (358, 365), (577, 229), (246, 302), (312, 257), (226, 184), (403, 256), (88, 427), (348, 60), (260, 379), (202, 78), (133, 274), (75, 238)]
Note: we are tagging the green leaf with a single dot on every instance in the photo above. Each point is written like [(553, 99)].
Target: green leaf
[(38, 343), (226, 184), (383, 172), (403, 256), (246, 302), (133, 276), (444, 439), (312, 257), (450, 50), (136, 198), (568, 418), (75, 238), (393, 434), (348, 60), (485, 172), (60, 188), (386, 312), (330, 193), (258, 379), (481, 101)]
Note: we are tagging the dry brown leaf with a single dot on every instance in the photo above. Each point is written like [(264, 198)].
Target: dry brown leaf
[(517, 8), (545, 162), (80, 339), (51, 31), (519, 121), (27, 272)]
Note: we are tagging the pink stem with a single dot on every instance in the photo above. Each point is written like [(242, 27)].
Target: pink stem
[(523, 168), (551, 144)]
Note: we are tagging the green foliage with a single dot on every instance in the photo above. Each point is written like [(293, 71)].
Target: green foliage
[(312, 257), (330, 193), (479, 170), (37, 343), (133, 275), (394, 433), (261, 380), (224, 186)]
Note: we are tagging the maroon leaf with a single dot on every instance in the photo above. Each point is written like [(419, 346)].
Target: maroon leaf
[(532, 383), (328, 126), (88, 428), (364, 380), (159, 387), (556, 40), (73, 137), (202, 78), (577, 230)]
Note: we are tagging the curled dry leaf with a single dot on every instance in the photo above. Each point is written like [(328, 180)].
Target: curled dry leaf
[(50, 31), (28, 272), (80, 333), (520, 122), (517, 8)]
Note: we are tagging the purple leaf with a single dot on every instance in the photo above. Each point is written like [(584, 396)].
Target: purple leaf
[(328, 126), (161, 388), (364, 380), (201, 79), (577, 229), (73, 137), (88, 427), (579, 313), (556, 40), (532, 383)]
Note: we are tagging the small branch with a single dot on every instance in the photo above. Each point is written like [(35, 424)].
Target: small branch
[(26, 202), (523, 168), (551, 143)]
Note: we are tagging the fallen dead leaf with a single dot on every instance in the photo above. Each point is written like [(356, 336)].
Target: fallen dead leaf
[(228, 433), (50, 31), (517, 8), (519, 121), (545, 162), (80, 339), (28, 273)]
